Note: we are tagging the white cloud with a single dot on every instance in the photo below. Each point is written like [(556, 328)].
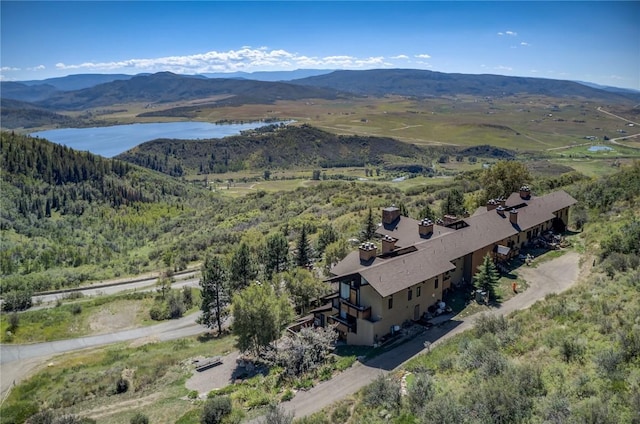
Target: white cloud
[(503, 68), (244, 59), (511, 33), (37, 68), (525, 44), (423, 56), (8, 69), (400, 56)]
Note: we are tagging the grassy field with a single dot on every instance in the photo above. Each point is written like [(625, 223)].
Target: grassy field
[(520, 122), (84, 383), (104, 314)]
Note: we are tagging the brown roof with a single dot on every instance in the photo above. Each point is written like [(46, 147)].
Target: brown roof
[(405, 230), (433, 256)]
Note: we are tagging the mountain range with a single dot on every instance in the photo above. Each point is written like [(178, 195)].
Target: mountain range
[(168, 87)]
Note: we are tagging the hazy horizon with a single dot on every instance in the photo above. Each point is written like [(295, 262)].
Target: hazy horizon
[(596, 42)]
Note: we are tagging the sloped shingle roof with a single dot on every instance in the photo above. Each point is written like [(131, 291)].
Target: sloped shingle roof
[(433, 256)]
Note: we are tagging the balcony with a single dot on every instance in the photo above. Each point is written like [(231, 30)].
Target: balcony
[(342, 324), (360, 312)]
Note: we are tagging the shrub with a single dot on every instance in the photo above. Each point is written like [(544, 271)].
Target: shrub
[(46, 416), (13, 321), (556, 409), (341, 414), (19, 411), (442, 409), (608, 362), (420, 392), (571, 350), (76, 309), (139, 418), (187, 297), (287, 396), (175, 305), (17, 300), (277, 415), (215, 409), (383, 392), (156, 313), (594, 411), (490, 324), (193, 394), (122, 386)]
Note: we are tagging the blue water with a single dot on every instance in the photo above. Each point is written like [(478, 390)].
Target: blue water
[(111, 141), (599, 148)]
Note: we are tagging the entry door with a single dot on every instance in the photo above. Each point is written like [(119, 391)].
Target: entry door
[(416, 313)]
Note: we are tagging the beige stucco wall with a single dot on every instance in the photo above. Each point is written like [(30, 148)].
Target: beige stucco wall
[(403, 309)]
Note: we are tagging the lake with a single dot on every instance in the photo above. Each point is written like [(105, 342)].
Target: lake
[(111, 141)]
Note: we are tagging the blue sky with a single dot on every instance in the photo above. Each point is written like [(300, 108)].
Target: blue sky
[(589, 41)]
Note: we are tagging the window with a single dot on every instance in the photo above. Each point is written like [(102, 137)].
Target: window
[(390, 302), (418, 290), (409, 294), (436, 283)]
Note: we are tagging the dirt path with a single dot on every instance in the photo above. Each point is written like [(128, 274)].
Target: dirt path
[(554, 276)]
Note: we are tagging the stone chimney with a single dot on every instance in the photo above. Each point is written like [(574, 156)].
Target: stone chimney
[(449, 219), (513, 216), (390, 214), (368, 251), (525, 192), (491, 204), (501, 201), (388, 244), (500, 209), (425, 227)]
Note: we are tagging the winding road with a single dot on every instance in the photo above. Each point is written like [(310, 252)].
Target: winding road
[(18, 361)]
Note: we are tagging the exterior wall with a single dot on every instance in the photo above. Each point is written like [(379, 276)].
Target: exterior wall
[(457, 274), (478, 256), (563, 214), (403, 309)]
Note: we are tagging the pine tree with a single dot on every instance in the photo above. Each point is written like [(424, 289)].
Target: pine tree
[(487, 276), (215, 298), (369, 227), (303, 251), (276, 255), (243, 268)]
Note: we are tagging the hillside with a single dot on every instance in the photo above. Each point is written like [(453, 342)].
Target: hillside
[(282, 147), (422, 83), (18, 114), (168, 87), (24, 92), (63, 209)]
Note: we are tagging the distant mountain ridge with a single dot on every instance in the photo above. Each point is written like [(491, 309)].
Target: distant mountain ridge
[(423, 83), (79, 81), (322, 84), (169, 87)]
